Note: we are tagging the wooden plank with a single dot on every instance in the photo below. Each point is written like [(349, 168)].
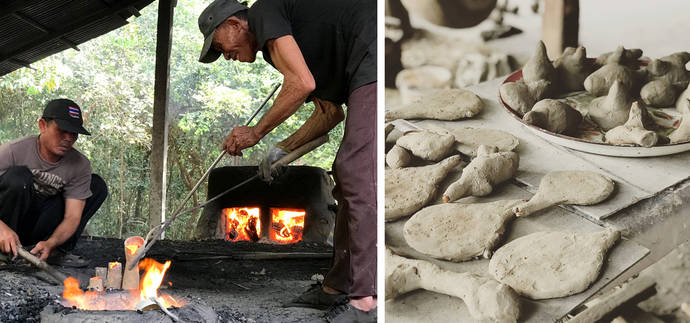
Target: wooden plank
[(159, 135), (560, 25)]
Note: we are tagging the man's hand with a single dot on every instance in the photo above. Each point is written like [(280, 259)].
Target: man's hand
[(240, 138), (42, 249), (265, 172), (9, 241)]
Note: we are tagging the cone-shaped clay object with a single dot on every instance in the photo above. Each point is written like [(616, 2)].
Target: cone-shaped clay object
[(517, 96), (489, 168), (616, 68), (567, 187), (428, 145), (539, 74), (572, 68), (441, 104), (554, 116), (622, 56), (552, 264), (409, 189), (633, 131), (458, 232), (486, 299), (670, 68), (612, 110), (130, 279)]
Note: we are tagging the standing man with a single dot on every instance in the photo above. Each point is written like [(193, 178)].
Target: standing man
[(326, 52), (47, 191)]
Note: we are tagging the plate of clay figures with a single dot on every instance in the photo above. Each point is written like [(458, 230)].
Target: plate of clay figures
[(590, 138)]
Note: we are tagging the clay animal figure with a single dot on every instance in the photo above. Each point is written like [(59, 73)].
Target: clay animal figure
[(428, 145), (612, 110), (489, 168), (682, 134), (554, 116), (458, 232), (622, 56), (552, 264), (658, 93), (398, 157), (683, 101), (601, 81), (539, 74), (486, 299), (439, 104), (517, 96), (567, 187), (670, 68), (411, 188), (572, 69), (634, 131)]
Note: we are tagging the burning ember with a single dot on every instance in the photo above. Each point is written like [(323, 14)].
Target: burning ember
[(132, 249), (148, 288), (243, 223), (287, 225)]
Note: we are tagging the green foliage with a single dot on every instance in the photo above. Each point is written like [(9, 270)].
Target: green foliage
[(112, 79)]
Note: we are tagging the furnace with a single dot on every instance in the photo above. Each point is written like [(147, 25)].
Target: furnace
[(297, 206)]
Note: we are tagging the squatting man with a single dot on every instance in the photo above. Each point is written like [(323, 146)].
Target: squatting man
[(47, 190)]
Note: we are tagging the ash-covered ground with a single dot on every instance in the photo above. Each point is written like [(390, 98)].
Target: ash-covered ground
[(216, 273)]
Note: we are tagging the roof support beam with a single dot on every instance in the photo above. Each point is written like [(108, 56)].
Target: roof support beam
[(159, 136), (560, 26), (45, 30), (75, 25)]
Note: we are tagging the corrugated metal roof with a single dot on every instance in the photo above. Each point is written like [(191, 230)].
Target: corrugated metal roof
[(31, 30)]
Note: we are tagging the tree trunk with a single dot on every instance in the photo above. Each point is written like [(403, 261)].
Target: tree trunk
[(122, 191)]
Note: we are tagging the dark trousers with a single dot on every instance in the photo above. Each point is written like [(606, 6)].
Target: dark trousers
[(354, 242), (34, 217)]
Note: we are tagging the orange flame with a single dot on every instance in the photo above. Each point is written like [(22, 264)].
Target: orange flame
[(149, 284), (77, 298), (243, 223), (287, 225), (153, 277), (112, 265)]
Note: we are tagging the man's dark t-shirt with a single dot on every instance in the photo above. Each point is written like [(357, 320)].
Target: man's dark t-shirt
[(336, 37)]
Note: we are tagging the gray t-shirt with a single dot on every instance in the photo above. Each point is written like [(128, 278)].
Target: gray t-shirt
[(71, 175)]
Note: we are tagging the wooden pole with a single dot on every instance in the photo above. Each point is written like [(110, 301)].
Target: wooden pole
[(159, 136), (59, 276), (560, 25)]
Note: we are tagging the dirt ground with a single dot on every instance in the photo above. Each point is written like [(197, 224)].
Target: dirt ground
[(215, 273)]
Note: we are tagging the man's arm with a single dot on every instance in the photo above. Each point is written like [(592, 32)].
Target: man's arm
[(9, 241), (73, 211), (298, 83), (326, 116)]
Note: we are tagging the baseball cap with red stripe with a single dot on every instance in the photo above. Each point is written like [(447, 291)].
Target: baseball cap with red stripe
[(66, 114)]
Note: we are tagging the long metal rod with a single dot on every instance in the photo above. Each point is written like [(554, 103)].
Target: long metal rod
[(156, 231), (222, 154)]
